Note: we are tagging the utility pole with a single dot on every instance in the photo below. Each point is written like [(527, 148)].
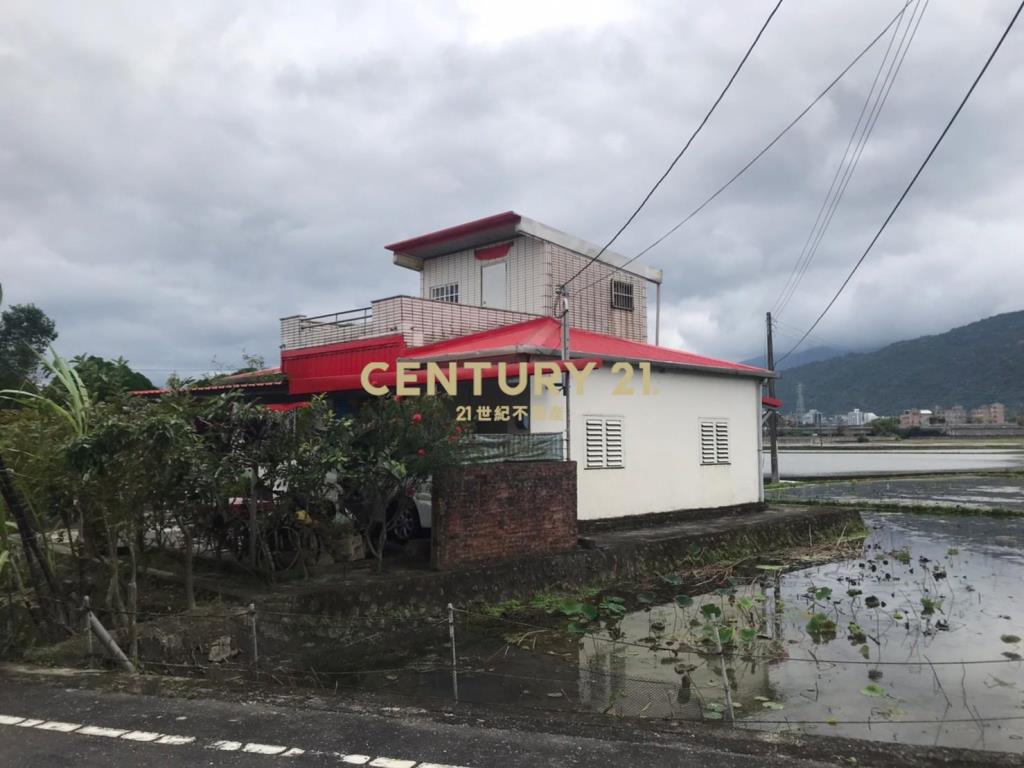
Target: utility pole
[(563, 292), (773, 416)]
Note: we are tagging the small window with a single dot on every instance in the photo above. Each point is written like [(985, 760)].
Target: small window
[(714, 441), (603, 437), (449, 293), (622, 295)]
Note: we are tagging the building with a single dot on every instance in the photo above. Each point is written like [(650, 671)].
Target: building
[(812, 418), (652, 429), (951, 417), (915, 418), (992, 413)]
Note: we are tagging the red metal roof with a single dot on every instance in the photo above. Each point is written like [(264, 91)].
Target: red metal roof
[(543, 336), (498, 221)]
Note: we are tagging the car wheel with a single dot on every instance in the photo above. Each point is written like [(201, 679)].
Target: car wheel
[(405, 521)]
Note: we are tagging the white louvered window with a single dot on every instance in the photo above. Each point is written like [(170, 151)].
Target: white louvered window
[(604, 442), (714, 441), (449, 293)]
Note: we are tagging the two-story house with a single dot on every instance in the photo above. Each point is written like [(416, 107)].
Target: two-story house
[(653, 429)]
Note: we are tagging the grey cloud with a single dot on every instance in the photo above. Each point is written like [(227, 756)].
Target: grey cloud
[(171, 185)]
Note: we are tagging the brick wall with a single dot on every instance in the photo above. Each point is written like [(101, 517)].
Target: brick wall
[(492, 512)]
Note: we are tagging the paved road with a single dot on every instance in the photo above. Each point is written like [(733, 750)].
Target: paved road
[(48, 727)]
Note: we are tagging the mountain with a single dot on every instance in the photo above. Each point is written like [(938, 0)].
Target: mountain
[(801, 357), (978, 363)]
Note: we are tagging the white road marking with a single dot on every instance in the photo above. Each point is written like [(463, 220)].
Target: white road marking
[(270, 750), (263, 749), (145, 736), (96, 730), (226, 746), (176, 741), (54, 725)]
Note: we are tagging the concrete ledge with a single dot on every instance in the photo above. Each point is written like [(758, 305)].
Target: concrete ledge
[(667, 518), (608, 556)]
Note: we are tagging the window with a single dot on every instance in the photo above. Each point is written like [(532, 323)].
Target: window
[(449, 293), (603, 437), (622, 295), (714, 441)]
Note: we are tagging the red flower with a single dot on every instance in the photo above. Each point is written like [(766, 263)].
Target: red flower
[(458, 430), (417, 418), (421, 452)]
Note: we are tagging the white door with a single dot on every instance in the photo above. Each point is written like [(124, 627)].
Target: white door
[(493, 285)]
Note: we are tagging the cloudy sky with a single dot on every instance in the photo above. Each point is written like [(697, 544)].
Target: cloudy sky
[(174, 177)]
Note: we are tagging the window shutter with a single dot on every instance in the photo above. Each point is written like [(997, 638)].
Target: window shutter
[(722, 442), (613, 444), (595, 443), (707, 442), (714, 441), (604, 447)]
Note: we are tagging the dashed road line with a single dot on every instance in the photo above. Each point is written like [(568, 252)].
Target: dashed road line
[(175, 740)]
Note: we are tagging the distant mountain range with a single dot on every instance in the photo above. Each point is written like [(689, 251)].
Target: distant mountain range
[(975, 364), (800, 357)]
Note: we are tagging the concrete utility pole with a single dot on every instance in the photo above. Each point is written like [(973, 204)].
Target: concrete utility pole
[(564, 301), (773, 423)]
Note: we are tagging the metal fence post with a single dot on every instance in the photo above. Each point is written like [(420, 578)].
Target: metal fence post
[(86, 610), (455, 663), (255, 643)]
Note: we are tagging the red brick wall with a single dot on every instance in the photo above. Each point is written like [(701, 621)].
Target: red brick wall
[(491, 512)]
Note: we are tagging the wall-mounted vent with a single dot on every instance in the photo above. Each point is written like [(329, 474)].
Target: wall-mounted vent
[(714, 441), (604, 442)]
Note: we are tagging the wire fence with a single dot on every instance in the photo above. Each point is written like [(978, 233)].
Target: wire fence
[(259, 644)]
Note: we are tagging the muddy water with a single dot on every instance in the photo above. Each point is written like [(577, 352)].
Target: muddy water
[(896, 675)]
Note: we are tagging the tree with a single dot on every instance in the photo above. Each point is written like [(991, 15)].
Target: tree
[(25, 331), (106, 379), (398, 444)]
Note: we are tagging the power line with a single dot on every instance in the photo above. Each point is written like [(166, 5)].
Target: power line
[(857, 138), (814, 240), (756, 157), (686, 146), (913, 180)]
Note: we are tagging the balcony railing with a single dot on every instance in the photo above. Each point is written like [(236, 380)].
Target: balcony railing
[(420, 321)]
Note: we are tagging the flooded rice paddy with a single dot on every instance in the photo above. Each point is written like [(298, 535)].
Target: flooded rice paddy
[(916, 640), (978, 492), (844, 462)]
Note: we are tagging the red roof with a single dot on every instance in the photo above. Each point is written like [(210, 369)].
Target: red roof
[(501, 222), (543, 336)]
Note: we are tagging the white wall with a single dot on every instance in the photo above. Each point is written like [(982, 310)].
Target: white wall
[(528, 276), (661, 441)]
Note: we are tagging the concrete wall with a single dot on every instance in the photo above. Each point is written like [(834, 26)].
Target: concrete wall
[(492, 512), (661, 439)]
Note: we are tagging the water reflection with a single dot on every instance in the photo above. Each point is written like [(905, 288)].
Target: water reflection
[(906, 626)]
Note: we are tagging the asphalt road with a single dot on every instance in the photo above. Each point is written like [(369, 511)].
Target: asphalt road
[(46, 726)]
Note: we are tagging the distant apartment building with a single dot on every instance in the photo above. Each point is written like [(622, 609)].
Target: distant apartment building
[(858, 418), (811, 418), (951, 417), (957, 415), (915, 418), (991, 413)]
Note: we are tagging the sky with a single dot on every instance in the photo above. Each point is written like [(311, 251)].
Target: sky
[(175, 177)]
